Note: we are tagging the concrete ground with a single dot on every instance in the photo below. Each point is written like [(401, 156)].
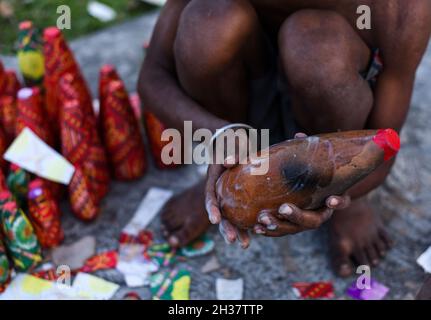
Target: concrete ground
[(269, 266)]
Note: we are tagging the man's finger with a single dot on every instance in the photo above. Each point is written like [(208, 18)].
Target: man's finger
[(300, 135), (276, 227), (244, 238), (211, 204), (338, 202), (228, 231), (304, 218)]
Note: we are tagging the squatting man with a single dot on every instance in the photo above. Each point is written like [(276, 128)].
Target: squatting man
[(288, 66)]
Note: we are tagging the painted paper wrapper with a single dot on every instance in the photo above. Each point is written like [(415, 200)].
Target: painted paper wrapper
[(376, 291), (8, 111), (144, 237), (92, 156), (44, 213), (102, 261), (3, 148), (30, 56), (314, 290), (171, 285), (19, 236), (49, 275), (154, 128), (5, 268), (59, 60), (121, 134), (17, 182), (30, 114)]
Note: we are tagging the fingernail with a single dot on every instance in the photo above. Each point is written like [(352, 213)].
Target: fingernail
[(265, 220), (285, 209), (173, 241), (213, 219), (271, 227), (334, 202)]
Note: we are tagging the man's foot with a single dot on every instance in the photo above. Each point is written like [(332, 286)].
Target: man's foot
[(356, 234), (425, 292), (184, 217)]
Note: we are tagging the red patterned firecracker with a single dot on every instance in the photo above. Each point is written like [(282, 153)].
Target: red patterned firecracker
[(107, 75), (12, 84), (8, 112), (3, 147), (3, 184), (121, 134), (30, 114), (155, 128), (44, 212), (2, 79), (95, 165), (75, 145), (82, 201), (59, 60), (314, 290)]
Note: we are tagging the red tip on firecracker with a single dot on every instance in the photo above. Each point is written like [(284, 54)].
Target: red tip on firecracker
[(25, 25), (51, 33), (389, 141), (121, 133)]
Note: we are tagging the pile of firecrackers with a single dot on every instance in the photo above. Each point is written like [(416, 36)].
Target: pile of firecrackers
[(55, 103)]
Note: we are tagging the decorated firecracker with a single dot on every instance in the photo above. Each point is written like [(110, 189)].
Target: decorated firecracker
[(30, 56), (44, 213), (8, 112), (94, 163), (75, 146), (59, 60), (82, 200), (121, 133), (17, 182), (19, 237), (154, 128), (9, 86), (5, 268), (3, 147), (30, 114), (2, 79), (107, 75), (12, 84)]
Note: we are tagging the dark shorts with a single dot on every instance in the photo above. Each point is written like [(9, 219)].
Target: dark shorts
[(270, 104)]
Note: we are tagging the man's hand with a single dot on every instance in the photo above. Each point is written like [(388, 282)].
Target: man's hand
[(289, 219)]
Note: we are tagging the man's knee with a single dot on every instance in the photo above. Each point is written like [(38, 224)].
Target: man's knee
[(212, 33), (319, 48)]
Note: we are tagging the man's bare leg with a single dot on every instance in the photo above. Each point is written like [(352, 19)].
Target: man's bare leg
[(322, 57), (219, 47)]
